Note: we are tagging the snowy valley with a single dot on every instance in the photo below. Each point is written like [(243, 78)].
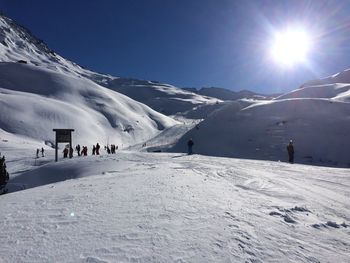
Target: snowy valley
[(235, 200)]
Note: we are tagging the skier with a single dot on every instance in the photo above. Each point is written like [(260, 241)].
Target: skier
[(97, 149), (290, 150), (190, 144), (85, 149), (37, 153), (77, 148), (65, 153), (108, 150), (93, 149), (42, 152), (4, 176), (71, 152)]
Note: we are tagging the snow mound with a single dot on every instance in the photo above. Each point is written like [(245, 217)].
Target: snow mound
[(318, 127), (33, 101)]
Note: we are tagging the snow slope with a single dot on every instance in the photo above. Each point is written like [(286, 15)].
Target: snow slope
[(335, 91), (340, 77), (33, 101), (164, 98), (318, 127), (316, 117), (17, 43), (335, 87), (142, 207)]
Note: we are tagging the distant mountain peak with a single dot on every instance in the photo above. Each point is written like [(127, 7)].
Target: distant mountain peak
[(226, 94)]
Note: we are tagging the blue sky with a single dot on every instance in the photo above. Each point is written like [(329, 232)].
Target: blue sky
[(190, 43)]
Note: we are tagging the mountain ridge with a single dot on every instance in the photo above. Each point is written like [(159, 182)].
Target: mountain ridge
[(227, 94), (18, 44)]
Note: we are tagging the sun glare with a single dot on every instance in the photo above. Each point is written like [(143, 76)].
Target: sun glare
[(290, 47)]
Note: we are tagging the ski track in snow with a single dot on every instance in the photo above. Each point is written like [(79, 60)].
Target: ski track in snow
[(142, 207)]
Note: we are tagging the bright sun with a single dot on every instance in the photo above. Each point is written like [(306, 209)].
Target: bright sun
[(290, 47)]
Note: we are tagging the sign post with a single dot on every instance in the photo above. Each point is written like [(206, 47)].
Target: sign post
[(62, 135)]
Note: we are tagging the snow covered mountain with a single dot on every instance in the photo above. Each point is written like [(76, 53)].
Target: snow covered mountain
[(315, 117), (335, 88), (164, 98), (245, 128), (34, 100), (340, 77), (18, 44), (225, 94), (166, 207), (44, 91)]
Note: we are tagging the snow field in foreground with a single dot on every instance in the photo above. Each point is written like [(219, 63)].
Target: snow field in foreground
[(142, 207)]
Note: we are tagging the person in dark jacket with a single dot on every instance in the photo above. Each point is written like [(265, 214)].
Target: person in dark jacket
[(290, 150), (65, 152), (42, 152), (77, 148), (4, 175), (98, 149), (71, 152), (190, 144), (84, 151)]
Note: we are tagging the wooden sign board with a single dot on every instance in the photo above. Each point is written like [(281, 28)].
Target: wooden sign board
[(63, 135)]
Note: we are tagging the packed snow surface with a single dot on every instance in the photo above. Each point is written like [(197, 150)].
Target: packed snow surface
[(158, 207)]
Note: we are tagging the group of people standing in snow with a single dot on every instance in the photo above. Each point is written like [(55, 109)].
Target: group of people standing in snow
[(83, 150), (112, 149), (68, 151), (38, 151)]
